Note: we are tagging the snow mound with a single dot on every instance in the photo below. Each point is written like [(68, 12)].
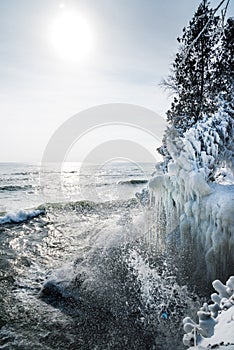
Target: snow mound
[(215, 328)]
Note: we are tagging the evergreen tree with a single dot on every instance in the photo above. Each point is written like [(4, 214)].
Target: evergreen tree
[(192, 77), (203, 72), (224, 66)]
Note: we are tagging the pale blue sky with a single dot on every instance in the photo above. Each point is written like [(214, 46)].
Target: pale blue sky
[(135, 44)]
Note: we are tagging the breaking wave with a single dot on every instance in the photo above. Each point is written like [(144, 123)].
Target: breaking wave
[(20, 216), (126, 291), (83, 207), (90, 205), (134, 182), (12, 188)]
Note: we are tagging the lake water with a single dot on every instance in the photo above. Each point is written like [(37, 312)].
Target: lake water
[(77, 270)]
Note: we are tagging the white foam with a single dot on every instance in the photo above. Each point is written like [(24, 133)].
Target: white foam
[(20, 216)]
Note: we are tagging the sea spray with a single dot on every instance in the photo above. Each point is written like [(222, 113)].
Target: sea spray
[(128, 284)]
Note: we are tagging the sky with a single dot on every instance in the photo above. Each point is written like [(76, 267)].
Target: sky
[(134, 43)]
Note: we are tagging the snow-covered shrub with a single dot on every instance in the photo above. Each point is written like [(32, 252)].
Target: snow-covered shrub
[(215, 325)]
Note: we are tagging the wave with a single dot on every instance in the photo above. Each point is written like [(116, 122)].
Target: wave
[(128, 291), (134, 182), (21, 216), (25, 173), (78, 206), (85, 205), (14, 188), (15, 179)]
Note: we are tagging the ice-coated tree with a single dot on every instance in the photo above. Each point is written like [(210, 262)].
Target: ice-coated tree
[(191, 78), (202, 77)]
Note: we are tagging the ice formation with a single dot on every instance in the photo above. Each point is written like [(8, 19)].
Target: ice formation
[(215, 329), (192, 207)]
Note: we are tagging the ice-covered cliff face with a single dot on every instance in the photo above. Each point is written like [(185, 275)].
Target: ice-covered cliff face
[(193, 200), (215, 328)]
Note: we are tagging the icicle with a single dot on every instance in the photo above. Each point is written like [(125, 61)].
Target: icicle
[(185, 199)]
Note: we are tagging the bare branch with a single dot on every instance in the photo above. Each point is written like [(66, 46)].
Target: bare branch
[(169, 85), (224, 11)]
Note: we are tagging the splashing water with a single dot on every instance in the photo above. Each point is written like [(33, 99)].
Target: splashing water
[(85, 275)]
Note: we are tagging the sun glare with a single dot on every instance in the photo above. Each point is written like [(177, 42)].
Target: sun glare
[(71, 36)]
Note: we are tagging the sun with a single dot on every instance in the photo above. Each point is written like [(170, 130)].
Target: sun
[(71, 36)]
